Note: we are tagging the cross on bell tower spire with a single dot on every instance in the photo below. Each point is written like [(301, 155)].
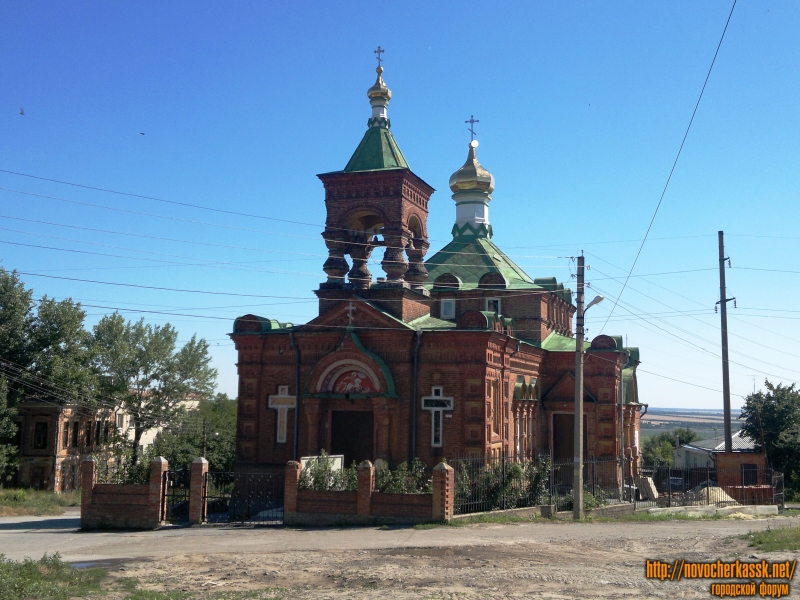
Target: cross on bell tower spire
[(378, 53), (471, 128)]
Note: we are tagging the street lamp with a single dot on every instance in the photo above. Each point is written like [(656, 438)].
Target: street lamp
[(577, 465)]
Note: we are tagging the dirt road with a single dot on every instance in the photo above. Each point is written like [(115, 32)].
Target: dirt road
[(542, 560)]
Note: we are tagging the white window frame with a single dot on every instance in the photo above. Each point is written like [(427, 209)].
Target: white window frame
[(282, 402), (437, 403), (499, 304), (447, 315)]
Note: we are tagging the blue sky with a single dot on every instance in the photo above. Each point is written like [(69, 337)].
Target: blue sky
[(582, 108)]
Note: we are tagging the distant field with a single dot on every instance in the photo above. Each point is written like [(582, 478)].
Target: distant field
[(703, 422)]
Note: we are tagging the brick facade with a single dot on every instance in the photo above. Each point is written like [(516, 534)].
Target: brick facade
[(53, 439), (464, 354)]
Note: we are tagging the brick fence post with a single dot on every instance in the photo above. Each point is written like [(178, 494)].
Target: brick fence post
[(366, 483), (443, 492), (157, 498), (88, 479), (293, 469), (197, 492)]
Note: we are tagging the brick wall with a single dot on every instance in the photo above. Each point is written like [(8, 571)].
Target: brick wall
[(115, 506), (312, 507)]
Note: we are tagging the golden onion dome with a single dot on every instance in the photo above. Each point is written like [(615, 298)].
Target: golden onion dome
[(379, 90), (472, 176)]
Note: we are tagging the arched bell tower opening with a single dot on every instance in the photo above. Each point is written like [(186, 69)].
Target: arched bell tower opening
[(376, 201)]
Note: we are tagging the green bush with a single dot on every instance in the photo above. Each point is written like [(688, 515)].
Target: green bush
[(500, 486), (403, 480), (319, 474), (590, 501)]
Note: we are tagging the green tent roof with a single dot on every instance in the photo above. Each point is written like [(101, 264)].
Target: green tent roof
[(377, 150), (470, 258)]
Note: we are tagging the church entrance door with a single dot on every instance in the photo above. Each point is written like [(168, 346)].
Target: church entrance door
[(352, 435), (564, 437)]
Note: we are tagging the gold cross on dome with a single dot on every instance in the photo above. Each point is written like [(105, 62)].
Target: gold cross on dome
[(350, 309), (472, 121), (378, 52)]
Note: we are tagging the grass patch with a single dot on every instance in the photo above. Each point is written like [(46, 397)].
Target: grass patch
[(775, 540), (20, 502), (47, 578), (646, 517)]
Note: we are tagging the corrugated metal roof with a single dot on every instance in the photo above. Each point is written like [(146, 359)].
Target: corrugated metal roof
[(741, 443)]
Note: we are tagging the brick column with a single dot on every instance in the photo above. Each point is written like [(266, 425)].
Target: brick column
[(293, 470), (443, 492), (157, 498), (312, 410), (366, 483), (197, 492), (88, 479)]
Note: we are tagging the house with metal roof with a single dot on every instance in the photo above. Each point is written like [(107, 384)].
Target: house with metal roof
[(702, 453)]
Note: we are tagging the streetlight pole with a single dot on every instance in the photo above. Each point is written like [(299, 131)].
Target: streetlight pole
[(577, 464)]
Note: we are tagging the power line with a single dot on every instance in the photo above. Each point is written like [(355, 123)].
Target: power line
[(675, 163)]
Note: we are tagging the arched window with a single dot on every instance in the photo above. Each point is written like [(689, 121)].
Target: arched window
[(447, 282), (492, 281)]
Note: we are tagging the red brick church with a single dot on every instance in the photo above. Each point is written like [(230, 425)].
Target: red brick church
[(460, 354)]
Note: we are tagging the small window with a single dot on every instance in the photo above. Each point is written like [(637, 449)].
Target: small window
[(493, 305), (40, 436), (447, 309), (65, 435), (283, 390), (436, 404), (88, 433), (75, 434), (436, 433), (120, 421)]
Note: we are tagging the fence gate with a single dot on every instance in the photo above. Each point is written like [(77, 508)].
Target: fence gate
[(177, 495), (243, 497)]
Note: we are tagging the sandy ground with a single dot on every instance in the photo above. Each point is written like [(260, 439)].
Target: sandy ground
[(535, 560)]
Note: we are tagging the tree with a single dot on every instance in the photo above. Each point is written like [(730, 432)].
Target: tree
[(44, 348), (661, 447), (772, 419), (182, 442), (146, 376), (8, 429)]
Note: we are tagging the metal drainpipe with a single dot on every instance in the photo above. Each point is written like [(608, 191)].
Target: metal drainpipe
[(296, 349), (413, 449)]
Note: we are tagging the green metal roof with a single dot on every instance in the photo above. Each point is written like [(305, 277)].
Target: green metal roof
[(471, 257), (429, 322), (377, 150), (555, 342)]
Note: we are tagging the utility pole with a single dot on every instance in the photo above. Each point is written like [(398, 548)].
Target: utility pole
[(726, 383), (577, 465)]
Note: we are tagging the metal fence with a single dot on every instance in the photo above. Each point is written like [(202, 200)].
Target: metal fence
[(243, 497), (487, 483), (668, 486), (499, 482)]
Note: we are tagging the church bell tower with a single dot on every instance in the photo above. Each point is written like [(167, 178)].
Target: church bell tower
[(376, 201)]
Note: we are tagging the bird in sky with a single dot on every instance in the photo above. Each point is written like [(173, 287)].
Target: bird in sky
[(140, 133), (22, 111)]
